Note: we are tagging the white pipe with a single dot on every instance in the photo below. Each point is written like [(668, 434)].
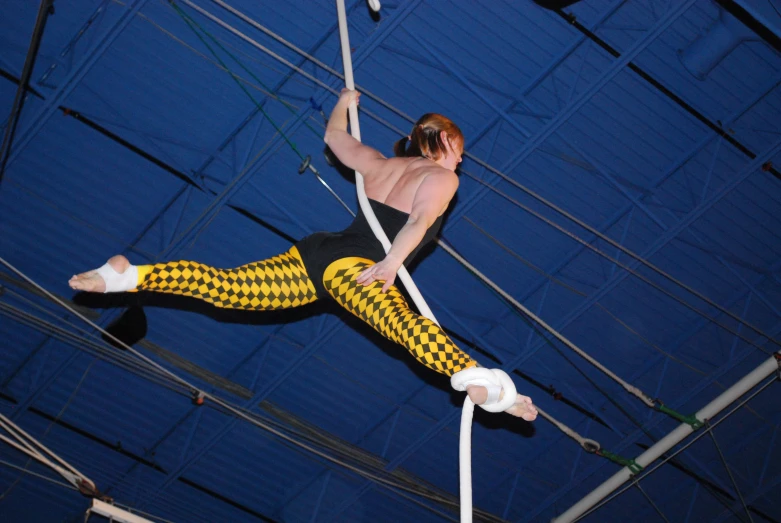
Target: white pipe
[(114, 513), (362, 199), (673, 438)]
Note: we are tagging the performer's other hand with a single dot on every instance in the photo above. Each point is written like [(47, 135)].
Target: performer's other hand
[(349, 95), (382, 271)]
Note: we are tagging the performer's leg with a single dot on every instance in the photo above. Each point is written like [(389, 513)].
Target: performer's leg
[(276, 283), (389, 314)]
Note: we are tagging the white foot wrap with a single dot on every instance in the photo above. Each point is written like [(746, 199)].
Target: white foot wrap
[(116, 282), (492, 379)]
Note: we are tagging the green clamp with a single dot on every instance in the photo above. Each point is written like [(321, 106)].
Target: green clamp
[(689, 420), (631, 464)]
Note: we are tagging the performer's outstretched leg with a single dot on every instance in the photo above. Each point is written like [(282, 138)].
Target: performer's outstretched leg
[(389, 314), (276, 283)]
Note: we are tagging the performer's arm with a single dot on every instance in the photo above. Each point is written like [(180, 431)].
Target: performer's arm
[(347, 149), (431, 198)]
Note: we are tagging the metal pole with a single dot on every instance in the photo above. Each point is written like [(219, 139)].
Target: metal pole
[(44, 10), (767, 368)]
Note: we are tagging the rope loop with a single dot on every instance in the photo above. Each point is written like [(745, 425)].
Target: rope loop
[(488, 378)]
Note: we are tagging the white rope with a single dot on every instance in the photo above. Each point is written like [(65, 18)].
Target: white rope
[(36, 450), (465, 450)]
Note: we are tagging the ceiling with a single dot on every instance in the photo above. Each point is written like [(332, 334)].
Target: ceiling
[(630, 203)]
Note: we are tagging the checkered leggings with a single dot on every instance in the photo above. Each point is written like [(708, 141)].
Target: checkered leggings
[(282, 282)]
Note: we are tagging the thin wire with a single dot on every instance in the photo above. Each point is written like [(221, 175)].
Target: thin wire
[(104, 352), (583, 294), (238, 411), (77, 219), (647, 497), (41, 476), (51, 424), (191, 24), (71, 487), (630, 270), (480, 162), (731, 477), (774, 7)]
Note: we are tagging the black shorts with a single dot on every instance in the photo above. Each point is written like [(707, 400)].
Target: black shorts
[(321, 249)]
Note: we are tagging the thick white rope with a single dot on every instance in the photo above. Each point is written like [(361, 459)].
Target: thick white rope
[(465, 450), (36, 450), (363, 201)]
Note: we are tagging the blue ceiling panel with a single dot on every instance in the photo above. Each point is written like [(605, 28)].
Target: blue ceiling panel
[(184, 140)]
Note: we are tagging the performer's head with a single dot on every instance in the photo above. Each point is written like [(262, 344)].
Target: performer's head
[(435, 137)]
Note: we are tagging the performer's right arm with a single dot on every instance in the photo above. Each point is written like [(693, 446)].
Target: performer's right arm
[(347, 149)]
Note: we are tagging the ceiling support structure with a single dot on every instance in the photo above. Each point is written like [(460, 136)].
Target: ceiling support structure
[(722, 495), (233, 134), (669, 172), (238, 182), (661, 242), (769, 367), (44, 10), (729, 473), (636, 435), (72, 80)]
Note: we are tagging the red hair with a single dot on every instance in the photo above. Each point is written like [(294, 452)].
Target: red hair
[(426, 137)]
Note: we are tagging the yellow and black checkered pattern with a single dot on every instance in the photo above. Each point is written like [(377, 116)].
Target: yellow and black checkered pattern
[(389, 314), (277, 283)]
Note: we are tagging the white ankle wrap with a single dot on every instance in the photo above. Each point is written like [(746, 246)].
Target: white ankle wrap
[(492, 379), (116, 282)]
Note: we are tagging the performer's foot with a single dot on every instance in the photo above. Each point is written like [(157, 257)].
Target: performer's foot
[(91, 281), (523, 408)]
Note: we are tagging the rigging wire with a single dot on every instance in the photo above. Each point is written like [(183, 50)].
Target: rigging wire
[(480, 162), (380, 478)]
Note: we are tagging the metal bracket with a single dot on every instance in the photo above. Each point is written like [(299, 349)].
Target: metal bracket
[(305, 164), (198, 398)]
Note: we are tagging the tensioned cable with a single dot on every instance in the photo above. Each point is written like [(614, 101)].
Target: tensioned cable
[(340, 449), (480, 162), (347, 452), (631, 271), (71, 487), (572, 289), (53, 422), (36, 450), (193, 24), (222, 403), (41, 476), (337, 448), (104, 352)]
